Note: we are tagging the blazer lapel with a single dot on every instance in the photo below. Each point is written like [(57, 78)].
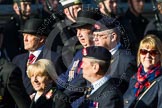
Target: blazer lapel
[(40, 56), (115, 61), (32, 103)]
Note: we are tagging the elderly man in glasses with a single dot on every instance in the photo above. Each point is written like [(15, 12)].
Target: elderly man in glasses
[(108, 34), (110, 9)]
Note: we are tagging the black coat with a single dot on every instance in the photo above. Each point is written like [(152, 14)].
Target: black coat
[(21, 62), (57, 100), (128, 39), (11, 87), (138, 24), (13, 40), (155, 27), (107, 96), (152, 99)]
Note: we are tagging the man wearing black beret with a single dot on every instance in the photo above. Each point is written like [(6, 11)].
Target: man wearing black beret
[(73, 76), (35, 34), (108, 34), (101, 93)]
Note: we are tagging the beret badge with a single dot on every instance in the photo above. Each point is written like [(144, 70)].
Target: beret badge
[(97, 26)]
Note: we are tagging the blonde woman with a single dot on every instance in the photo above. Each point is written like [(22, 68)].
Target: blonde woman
[(46, 95), (145, 88)]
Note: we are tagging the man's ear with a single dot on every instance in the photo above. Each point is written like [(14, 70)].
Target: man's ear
[(96, 67), (66, 11), (113, 37), (16, 8), (42, 39)]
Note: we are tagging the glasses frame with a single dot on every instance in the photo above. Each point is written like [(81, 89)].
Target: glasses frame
[(151, 52), (106, 34)]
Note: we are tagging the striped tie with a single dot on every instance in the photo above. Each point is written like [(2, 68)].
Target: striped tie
[(31, 58)]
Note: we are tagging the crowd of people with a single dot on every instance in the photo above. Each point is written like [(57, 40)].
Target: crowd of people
[(81, 57)]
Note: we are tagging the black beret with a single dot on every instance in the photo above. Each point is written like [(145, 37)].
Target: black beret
[(97, 52), (106, 23)]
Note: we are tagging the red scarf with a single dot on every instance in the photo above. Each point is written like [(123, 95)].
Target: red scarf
[(144, 79)]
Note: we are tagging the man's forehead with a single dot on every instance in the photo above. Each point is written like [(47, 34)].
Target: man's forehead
[(29, 34), (86, 59)]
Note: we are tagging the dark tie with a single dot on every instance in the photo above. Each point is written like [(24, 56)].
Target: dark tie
[(88, 91), (31, 58)]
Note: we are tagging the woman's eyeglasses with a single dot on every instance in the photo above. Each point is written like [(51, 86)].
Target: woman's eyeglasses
[(151, 52)]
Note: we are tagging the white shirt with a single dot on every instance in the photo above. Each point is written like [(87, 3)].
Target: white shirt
[(97, 84), (36, 97), (36, 53), (113, 51)]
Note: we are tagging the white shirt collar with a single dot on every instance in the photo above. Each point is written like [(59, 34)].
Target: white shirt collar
[(97, 84), (36, 53), (112, 51)]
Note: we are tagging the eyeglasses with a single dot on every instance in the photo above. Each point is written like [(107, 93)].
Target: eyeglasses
[(101, 35), (151, 52)]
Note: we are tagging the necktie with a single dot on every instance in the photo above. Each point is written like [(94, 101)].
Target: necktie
[(31, 58), (88, 91)]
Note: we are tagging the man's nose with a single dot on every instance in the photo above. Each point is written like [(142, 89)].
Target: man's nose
[(78, 32), (95, 39), (25, 37), (28, 7)]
